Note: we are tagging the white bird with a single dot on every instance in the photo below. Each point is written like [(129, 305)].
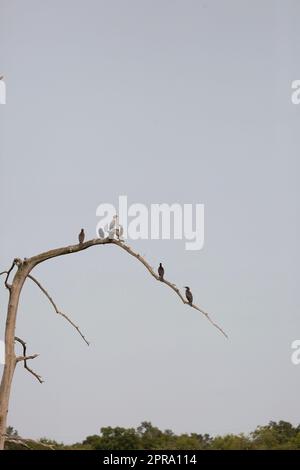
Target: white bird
[(114, 222)]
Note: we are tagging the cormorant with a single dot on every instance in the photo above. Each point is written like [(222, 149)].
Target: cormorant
[(81, 236), (189, 295), (161, 272), (101, 233)]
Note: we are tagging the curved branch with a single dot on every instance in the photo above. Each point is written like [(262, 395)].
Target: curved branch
[(35, 260), (8, 286), (55, 307), (25, 358), (66, 250), (22, 441), (16, 440)]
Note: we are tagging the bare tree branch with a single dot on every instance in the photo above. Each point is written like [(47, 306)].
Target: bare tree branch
[(38, 377), (172, 286), (55, 307), (22, 441), (66, 250), (102, 241), (25, 358), (16, 262), (16, 440)]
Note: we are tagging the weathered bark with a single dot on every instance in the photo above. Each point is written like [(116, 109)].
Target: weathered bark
[(10, 357), (24, 267)]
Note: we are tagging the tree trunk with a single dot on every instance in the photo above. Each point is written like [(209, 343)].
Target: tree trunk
[(10, 357)]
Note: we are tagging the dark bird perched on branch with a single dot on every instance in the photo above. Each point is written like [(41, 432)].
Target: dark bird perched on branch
[(189, 295), (161, 272), (81, 236)]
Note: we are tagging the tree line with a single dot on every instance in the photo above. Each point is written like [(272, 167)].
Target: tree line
[(273, 436)]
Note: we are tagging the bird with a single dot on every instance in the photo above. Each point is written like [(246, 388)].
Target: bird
[(119, 231), (1, 77), (81, 236), (114, 222), (188, 295), (111, 233), (101, 233), (161, 272)]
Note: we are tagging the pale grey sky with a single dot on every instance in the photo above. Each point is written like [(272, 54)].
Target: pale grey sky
[(164, 101)]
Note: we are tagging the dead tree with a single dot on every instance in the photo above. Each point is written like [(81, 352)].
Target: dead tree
[(22, 270)]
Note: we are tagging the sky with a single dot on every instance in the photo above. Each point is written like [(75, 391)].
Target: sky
[(161, 101)]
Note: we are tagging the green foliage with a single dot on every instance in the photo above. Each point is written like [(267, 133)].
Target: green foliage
[(114, 439), (232, 442), (281, 435)]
